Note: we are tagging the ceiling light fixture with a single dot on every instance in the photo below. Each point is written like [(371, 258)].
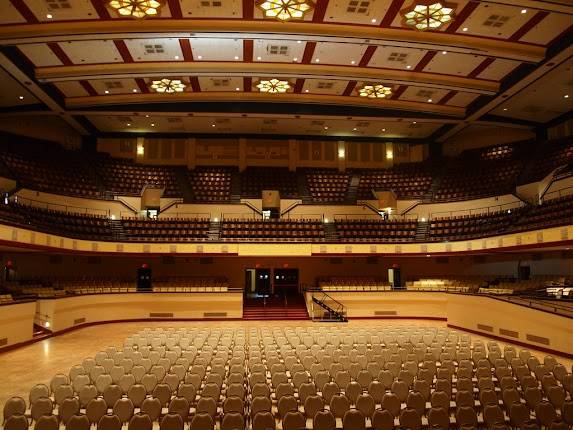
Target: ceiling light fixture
[(375, 91), (428, 14), (373, 20), (136, 8), (465, 29), (295, 59), (199, 57), (167, 85), (566, 96), (21, 97), (285, 10), (49, 16), (152, 125), (273, 86), (524, 11), (134, 90)]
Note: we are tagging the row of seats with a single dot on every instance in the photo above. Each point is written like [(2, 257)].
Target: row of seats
[(353, 283), (327, 186), (293, 378)]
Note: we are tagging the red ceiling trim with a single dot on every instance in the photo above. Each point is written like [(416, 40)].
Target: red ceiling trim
[(447, 97), (460, 17), (175, 8), (392, 12), (88, 87), (429, 56), (101, 10), (25, 57), (481, 67), (25, 11), (308, 52), (367, 56), (142, 85), (58, 91), (123, 50), (349, 88), (298, 85), (248, 48), (525, 28), (399, 91), (186, 49), (248, 9), (320, 7), (247, 84), (60, 53), (195, 84)]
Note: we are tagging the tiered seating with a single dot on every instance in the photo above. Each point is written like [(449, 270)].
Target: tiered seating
[(406, 180), (273, 230), (472, 226), (327, 186), (551, 213), (77, 286), (167, 229), (211, 184), (553, 154), (376, 230), (352, 283), (56, 171), (458, 285), (294, 378), (6, 298), (127, 178), (194, 284), (256, 179)]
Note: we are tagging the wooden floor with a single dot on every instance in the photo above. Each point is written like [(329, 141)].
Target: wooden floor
[(37, 363)]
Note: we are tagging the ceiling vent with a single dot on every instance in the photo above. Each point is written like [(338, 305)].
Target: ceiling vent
[(110, 85), (362, 124), (317, 123), (174, 120), (533, 109), (58, 4), (325, 85), (214, 3), (124, 119), (355, 6), (496, 21), (398, 57), (222, 121), (221, 82), (278, 49), (154, 49), (269, 121), (426, 94)]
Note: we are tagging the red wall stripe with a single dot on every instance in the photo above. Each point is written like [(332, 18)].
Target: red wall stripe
[(429, 56), (247, 84), (248, 49), (298, 85), (142, 85), (447, 97), (195, 84), (308, 52), (399, 91), (248, 9), (101, 10)]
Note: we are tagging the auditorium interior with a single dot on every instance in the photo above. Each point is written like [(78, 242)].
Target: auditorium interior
[(359, 209)]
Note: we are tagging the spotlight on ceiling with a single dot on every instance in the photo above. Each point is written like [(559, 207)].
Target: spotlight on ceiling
[(428, 14)]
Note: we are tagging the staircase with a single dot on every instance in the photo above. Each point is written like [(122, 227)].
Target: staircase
[(275, 309), (92, 172), (332, 310), (214, 231), (428, 196), (352, 191), (184, 185), (422, 231), (117, 231), (302, 187), (235, 187), (330, 233)]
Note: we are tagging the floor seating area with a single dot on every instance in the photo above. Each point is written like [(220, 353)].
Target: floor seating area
[(256, 179), (327, 186), (166, 229), (6, 298), (406, 180), (353, 283), (274, 230), (454, 285), (210, 184), (293, 378), (376, 230)]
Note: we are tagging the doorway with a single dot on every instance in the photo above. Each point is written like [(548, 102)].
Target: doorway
[(258, 283)]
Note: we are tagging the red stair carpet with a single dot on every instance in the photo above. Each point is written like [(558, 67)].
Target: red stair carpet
[(275, 309)]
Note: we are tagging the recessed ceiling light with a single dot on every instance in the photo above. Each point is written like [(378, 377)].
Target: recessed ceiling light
[(236, 57), (199, 57), (258, 58), (444, 52), (325, 127), (566, 96), (146, 116), (353, 62), (106, 91), (373, 20), (354, 129), (212, 125), (317, 60), (152, 125), (523, 10), (465, 29), (504, 109), (306, 91), (295, 59), (129, 124), (429, 100), (299, 41), (21, 97), (49, 16), (408, 67), (237, 89), (177, 57), (383, 129), (414, 122)]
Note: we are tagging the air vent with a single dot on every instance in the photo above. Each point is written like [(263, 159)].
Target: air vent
[(355, 6), (154, 49), (221, 82), (537, 339), (223, 121), (317, 123), (532, 109), (398, 57), (496, 21), (269, 121), (110, 85), (485, 327), (325, 85), (214, 3), (79, 321), (509, 333), (362, 124), (58, 4), (214, 314), (385, 313), (174, 120), (278, 49), (124, 119), (160, 315), (425, 94)]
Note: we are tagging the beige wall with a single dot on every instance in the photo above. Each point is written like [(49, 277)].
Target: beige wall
[(16, 323), (48, 127), (477, 136)]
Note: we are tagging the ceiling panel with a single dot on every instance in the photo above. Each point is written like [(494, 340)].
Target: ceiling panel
[(40, 54), (114, 86), (223, 83), (348, 54), (324, 86), (548, 29), (212, 8), (366, 12), (462, 99), (396, 57), (71, 89), (279, 51), (10, 14), (12, 93), (62, 10), (423, 95), (217, 49), (498, 70), (91, 51), (164, 49), (453, 63), (495, 20)]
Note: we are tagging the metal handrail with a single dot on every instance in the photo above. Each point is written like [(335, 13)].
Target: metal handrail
[(340, 309)]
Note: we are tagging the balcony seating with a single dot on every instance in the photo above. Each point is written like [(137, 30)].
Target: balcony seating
[(327, 186), (256, 179), (376, 230), (166, 229), (353, 283), (550, 155), (272, 230), (406, 180), (210, 184), (551, 213), (473, 226), (196, 284)]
